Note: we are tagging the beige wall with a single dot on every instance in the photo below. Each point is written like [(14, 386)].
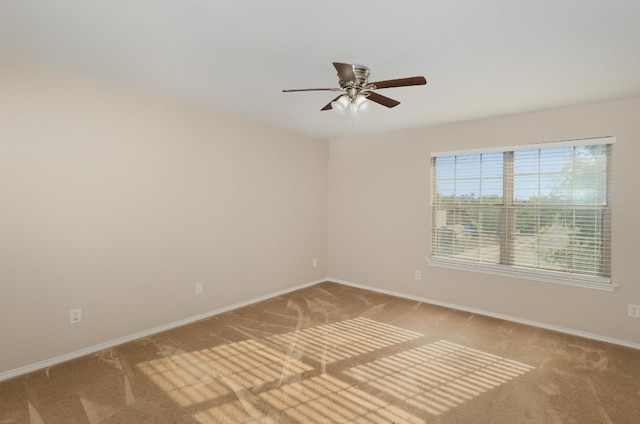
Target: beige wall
[(119, 203), (379, 218)]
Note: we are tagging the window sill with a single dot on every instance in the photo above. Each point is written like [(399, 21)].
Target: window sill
[(597, 283)]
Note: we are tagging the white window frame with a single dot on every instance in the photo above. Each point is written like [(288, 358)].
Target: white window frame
[(557, 277)]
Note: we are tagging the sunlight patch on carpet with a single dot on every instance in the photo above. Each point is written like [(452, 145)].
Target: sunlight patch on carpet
[(203, 375), (344, 339), (439, 376), (326, 399), (256, 381)]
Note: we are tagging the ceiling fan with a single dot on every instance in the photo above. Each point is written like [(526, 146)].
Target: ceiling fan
[(356, 88)]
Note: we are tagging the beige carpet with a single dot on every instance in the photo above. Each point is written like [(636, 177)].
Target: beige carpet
[(337, 354)]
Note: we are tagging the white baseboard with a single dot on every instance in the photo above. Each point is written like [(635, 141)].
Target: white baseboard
[(111, 343), (492, 314)]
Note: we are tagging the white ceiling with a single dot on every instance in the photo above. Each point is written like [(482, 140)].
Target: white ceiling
[(481, 58)]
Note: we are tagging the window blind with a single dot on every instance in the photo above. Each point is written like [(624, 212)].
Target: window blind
[(539, 211)]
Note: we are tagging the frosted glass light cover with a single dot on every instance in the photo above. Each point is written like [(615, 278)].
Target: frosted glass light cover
[(341, 105)]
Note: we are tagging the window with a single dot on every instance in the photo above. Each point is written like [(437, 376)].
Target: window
[(539, 211)]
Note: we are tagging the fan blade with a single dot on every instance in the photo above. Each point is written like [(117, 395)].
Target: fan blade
[(328, 106), (400, 82), (311, 89), (380, 99), (345, 72)]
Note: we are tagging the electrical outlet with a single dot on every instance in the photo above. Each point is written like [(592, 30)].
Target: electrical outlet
[(633, 311), (75, 316), (418, 275), (314, 262), (198, 288)]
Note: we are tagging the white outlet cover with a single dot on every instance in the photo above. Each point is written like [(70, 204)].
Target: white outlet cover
[(75, 316)]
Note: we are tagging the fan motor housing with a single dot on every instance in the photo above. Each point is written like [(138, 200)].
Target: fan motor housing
[(361, 73)]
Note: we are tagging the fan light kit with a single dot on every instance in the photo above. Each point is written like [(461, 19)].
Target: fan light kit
[(352, 107), (357, 90)]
